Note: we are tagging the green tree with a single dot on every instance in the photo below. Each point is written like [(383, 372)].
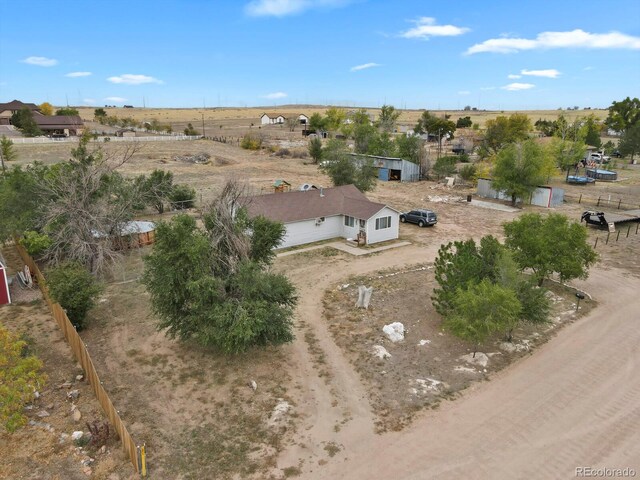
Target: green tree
[(315, 149), (565, 153), (20, 199), (463, 263), (382, 144), (464, 122), (623, 114), (75, 289), (364, 135), (345, 169), (20, 378), (410, 147), (388, 118), (222, 294), (182, 197), (590, 132), (317, 122), (445, 166), (46, 109), (23, 119), (433, 125), (156, 190), (482, 310), (547, 127), (334, 118), (502, 131), (630, 141), (550, 245), (518, 170), (67, 112), (7, 153), (100, 115)]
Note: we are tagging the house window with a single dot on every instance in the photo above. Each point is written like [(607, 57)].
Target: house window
[(384, 222), (349, 221)]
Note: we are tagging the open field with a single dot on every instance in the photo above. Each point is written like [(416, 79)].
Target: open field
[(235, 118), (200, 418)]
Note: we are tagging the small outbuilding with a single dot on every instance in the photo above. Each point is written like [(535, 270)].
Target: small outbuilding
[(542, 196), (392, 169)]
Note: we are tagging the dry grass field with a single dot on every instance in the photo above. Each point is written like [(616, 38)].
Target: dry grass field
[(234, 118)]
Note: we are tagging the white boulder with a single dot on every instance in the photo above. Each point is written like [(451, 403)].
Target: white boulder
[(381, 352), (394, 331)]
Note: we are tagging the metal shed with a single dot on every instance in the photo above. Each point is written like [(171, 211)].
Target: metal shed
[(543, 196), (393, 169)]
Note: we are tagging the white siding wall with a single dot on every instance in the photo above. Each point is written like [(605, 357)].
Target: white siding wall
[(306, 231), (350, 232), (265, 120), (375, 236)]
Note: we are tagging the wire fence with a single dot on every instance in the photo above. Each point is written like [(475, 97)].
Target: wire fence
[(620, 234), (159, 138), (604, 201), (82, 355)]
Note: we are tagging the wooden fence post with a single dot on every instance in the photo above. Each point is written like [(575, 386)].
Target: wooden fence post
[(595, 244), (598, 204), (607, 241)]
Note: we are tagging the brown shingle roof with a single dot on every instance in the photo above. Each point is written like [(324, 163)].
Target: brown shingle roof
[(58, 120), (17, 105), (296, 206)]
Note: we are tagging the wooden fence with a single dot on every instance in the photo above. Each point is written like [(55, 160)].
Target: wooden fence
[(82, 355)]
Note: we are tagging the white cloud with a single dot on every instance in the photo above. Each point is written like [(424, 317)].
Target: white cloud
[(515, 87), (130, 79), (511, 76), (364, 66), (549, 73), (115, 99), (464, 92), (40, 61), (546, 40), (282, 8), (78, 74), (487, 88), (426, 27), (586, 69), (89, 101), (275, 95)]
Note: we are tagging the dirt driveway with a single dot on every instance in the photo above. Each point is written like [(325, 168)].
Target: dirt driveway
[(570, 404)]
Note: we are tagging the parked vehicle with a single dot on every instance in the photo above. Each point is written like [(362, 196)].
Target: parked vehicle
[(422, 218), (616, 153)]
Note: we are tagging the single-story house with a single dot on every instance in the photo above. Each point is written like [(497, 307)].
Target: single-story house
[(277, 118), (393, 169), (542, 196), (8, 109), (67, 125), (125, 132), (314, 215)]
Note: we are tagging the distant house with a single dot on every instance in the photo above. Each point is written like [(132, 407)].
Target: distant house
[(8, 109), (277, 118), (393, 169), (63, 125), (314, 215)]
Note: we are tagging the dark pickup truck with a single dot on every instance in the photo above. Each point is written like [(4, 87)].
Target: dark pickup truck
[(422, 218)]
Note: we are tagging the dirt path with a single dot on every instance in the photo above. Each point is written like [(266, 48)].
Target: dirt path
[(572, 403)]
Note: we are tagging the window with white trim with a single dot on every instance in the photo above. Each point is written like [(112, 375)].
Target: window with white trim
[(383, 222), (349, 221)]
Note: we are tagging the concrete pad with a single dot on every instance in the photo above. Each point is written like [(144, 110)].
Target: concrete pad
[(494, 206)]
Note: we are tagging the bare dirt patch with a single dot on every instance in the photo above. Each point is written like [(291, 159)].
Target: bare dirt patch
[(426, 367)]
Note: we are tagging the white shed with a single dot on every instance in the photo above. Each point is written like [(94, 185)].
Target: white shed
[(314, 215)]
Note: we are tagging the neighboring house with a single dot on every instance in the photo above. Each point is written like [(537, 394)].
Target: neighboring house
[(66, 125), (277, 118), (314, 215), (393, 169), (8, 109)]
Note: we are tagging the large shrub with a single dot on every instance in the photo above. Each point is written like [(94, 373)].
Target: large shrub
[(182, 197), (75, 289), (20, 377), (36, 243), (251, 142)]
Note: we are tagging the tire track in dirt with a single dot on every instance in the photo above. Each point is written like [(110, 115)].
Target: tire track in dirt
[(572, 403)]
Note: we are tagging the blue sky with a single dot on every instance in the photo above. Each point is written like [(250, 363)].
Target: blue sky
[(505, 55)]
